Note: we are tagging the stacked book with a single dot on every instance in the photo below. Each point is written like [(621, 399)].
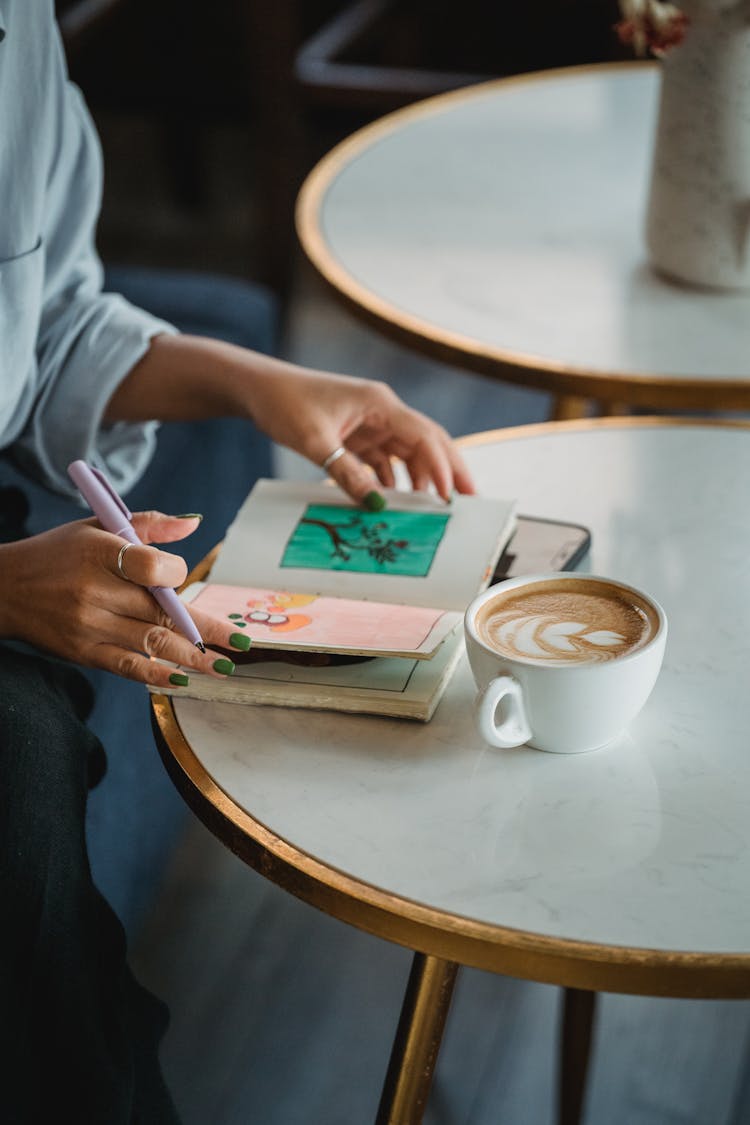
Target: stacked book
[(348, 610)]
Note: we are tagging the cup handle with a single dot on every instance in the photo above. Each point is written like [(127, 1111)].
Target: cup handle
[(514, 729)]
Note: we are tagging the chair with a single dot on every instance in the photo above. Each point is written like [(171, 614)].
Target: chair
[(319, 79)]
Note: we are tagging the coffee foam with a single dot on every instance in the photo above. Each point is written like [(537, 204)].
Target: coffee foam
[(567, 621)]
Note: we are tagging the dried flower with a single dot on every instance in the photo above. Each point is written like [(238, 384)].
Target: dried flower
[(651, 25)]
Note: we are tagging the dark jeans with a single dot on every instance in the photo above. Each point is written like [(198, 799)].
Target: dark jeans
[(79, 1036)]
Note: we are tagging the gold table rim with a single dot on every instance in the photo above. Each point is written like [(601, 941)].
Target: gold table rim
[(651, 389), (560, 961)]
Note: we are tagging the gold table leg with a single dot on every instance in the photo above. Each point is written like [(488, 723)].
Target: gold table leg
[(578, 1014), (614, 409), (417, 1042), (570, 406), (567, 407)]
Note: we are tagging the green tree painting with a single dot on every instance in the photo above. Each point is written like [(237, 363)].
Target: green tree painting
[(328, 537)]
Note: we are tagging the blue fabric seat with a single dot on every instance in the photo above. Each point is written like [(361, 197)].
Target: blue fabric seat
[(135, 814)]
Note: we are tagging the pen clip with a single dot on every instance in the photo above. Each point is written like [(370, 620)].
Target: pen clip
[(116, 499)]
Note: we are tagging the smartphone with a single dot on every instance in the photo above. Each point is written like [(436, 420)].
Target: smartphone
[(539, 546)]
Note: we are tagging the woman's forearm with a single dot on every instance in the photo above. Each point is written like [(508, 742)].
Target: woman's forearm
[(182, 378)]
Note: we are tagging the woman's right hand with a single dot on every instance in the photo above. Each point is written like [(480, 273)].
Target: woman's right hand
[(61, 591)]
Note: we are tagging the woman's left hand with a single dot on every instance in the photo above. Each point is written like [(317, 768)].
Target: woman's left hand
[(312, 412), (315, 412)]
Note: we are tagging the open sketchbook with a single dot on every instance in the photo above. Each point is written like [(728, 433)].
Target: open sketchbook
[(304, 569)]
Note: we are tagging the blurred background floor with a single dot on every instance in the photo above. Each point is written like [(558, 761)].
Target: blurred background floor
[(280, 1015)]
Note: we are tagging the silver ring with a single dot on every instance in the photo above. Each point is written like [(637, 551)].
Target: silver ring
[(120, 557), (332, 458)]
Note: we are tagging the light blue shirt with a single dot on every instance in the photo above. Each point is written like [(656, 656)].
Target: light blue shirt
[(64, 345)]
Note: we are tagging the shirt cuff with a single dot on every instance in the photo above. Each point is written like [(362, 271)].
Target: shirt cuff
[(67, 423)]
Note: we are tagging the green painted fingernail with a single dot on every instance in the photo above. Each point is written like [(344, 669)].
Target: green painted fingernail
[(234, 616), (374, 501), (189, 516), (179, 679), (240, 640), (223, 666)]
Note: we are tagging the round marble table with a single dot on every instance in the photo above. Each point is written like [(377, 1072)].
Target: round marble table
[(500, 228), (625, 869)]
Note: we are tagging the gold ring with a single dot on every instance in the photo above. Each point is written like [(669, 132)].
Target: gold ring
[(333, 457), (120, 557)]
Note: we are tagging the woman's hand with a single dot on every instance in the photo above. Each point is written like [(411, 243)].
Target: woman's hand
[(311, 412), (314, 412), (61, 591)]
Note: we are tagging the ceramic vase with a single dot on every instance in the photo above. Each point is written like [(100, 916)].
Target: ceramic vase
[(698, 223)]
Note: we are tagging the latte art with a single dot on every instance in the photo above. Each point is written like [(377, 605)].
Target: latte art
[(544, 636), (566, 623)]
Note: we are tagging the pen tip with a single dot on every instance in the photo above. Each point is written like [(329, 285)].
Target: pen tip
[(200, 645)]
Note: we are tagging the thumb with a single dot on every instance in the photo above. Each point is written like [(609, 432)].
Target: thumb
[(156, 527), (357, 481)]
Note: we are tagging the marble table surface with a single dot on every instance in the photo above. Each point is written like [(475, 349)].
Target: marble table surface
[(643, 844), (504, 225)]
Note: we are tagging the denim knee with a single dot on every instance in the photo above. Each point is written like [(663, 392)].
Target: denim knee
[(48, 759)]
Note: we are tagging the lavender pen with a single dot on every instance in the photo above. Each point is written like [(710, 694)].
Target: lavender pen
[(114, 516)]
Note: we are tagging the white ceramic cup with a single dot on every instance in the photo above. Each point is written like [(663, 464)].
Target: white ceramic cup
[(564, 708)]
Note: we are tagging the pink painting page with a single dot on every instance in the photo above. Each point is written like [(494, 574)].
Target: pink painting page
[(283, 619)]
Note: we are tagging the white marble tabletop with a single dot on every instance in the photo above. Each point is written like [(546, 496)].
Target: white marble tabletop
[(503, 224), (643, 844)]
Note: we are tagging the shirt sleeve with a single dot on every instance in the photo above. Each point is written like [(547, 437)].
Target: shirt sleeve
[(88, 341)]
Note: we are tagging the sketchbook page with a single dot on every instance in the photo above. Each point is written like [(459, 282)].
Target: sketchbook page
[(310, 538), (382, 686), (281, 619)]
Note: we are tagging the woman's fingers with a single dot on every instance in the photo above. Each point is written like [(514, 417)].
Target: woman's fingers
[(134, 665), (156, 527), (429, 463), (131, 637), (147, 566), (381, 463), (387, 428), (135, 644), (218, 633), (356, 479), (462, 479)]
